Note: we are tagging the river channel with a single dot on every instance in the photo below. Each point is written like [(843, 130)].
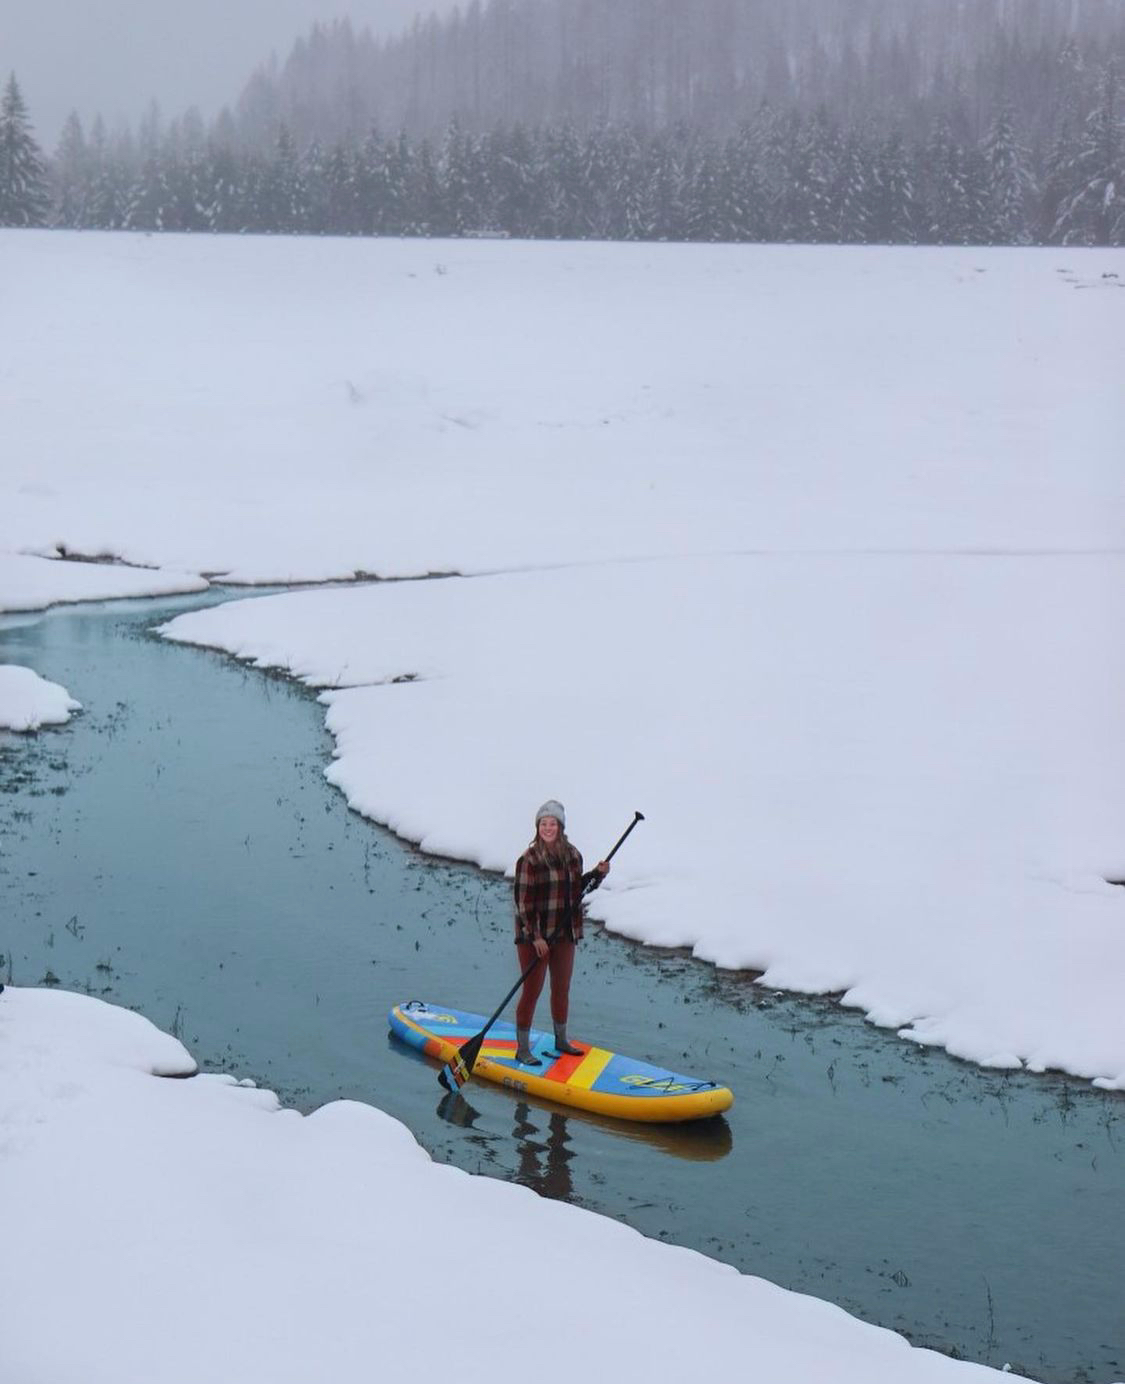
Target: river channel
[(176, 849)]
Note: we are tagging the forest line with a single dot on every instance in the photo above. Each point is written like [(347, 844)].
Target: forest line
[(730, 120)]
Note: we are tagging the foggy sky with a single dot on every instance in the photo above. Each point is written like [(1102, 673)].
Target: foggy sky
[(114, 56)]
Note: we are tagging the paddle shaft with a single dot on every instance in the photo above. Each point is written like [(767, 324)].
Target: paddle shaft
[(470, 1051), (503, 1003)]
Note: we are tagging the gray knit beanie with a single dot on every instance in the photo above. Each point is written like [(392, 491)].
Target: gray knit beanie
[(551, 808)]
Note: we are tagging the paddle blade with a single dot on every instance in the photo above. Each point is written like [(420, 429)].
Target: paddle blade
[(454, 1075), (460, 1066)]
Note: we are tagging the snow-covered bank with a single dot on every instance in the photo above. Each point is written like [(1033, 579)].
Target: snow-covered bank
[(28, 701), (173, 1231), (33, 583)]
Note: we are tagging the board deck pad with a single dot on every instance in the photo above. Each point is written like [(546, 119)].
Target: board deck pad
[(597, 1079)]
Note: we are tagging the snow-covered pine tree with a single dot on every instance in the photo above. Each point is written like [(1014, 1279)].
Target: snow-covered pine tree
[(851, 211), (1011, 183), (750, 202), (223, 202), (461, 182), (71, 176), (643, 187), (1070, 81), (425, 214), (1092, 211), (766, 139), (110, 178), (148, 200), (734, 198), (396, 183), (511, 175), (369, 169), (894, 203), (283, 204), (954, 208), (703, 194), (807, 202), (337, 209), (23, 173), (190, 177), (564, 196)]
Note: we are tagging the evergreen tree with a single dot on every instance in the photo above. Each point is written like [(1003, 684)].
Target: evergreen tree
[(282, 193), (639, 183), (564, 195), (148, 200), (23, 174), (703, 195), (397, 181), (372, 191), (71, 170), (851, 205), (806, 205), (462, 182), (512, 179), (425, 213), (601, 174), (750, 202), (224, 198), (109, 186), (954, 210), (1093, 210), (1011, 184), (1069, 77), (336, 203), (730, 196), (894, 219)]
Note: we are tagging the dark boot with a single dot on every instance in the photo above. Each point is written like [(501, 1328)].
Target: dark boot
[(561, 1045), (524, 1055)]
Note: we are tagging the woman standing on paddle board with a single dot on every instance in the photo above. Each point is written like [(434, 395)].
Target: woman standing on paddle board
[(548, 897)]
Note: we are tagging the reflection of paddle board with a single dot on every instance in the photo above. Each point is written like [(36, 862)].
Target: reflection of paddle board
[(596, 1080)]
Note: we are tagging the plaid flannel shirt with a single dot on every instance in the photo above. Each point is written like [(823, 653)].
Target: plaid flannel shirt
[(548, 895)]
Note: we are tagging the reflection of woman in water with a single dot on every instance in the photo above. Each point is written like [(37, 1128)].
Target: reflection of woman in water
[(554, 1179), (548, 898)]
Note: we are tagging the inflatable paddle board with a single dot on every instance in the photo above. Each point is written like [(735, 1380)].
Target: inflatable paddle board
[(597, 1079)]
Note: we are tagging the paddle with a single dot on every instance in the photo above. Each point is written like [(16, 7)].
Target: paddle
[(460, 1066)]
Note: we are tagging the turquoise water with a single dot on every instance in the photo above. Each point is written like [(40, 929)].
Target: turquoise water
[(176, 849)]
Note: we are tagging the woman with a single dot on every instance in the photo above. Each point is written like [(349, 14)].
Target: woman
[(548, 896)]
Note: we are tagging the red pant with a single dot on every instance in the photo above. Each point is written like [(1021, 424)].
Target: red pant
[(561, 965)]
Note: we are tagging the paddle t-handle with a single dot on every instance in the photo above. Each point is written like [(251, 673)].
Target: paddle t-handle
[(637, 817)]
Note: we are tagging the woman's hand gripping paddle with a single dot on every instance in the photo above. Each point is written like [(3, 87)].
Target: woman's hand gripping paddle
[(460, 1066), (595, 877)]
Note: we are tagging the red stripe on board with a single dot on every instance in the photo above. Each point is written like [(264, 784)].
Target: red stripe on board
[(562, 1068)]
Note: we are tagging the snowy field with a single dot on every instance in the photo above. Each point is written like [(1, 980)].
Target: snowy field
[(813, 555)]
